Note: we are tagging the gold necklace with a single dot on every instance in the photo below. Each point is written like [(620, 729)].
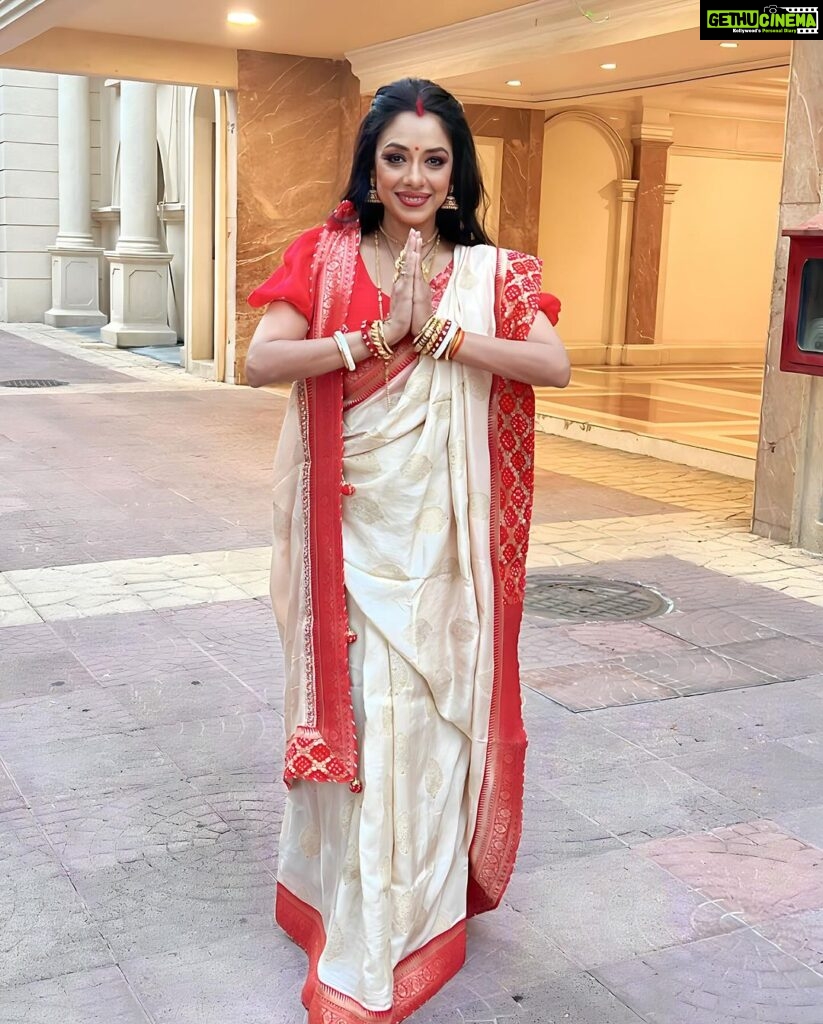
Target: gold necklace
[(378, 282), (390, 238), (425, 268)]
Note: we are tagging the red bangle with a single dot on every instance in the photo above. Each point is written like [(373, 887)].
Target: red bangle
[(434, 345)]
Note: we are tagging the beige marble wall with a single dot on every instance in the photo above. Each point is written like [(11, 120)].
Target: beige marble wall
[(789, 474), (522, 135), (296, 122)]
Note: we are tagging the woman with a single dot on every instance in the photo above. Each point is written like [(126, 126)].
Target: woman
[(402, 501)]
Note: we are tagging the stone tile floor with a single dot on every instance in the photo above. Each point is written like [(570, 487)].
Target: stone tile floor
[(671, 869)]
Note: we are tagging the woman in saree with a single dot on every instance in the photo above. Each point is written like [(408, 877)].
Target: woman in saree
[(402, 499)]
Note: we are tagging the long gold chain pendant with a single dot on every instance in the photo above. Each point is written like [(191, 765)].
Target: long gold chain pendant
[(381, 312)]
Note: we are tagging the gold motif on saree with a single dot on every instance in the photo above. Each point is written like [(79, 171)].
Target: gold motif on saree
[(402, 756), (432, 520), (463, 630), (399, 672), (402, 834), (433, 778), (367, 510), (479, 505), (417, 468), (310, 841), (418, 633), (403, 907)]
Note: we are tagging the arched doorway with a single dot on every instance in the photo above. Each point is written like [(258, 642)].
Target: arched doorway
[(584, 231)]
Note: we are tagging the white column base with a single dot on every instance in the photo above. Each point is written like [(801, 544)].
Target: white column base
[(139, 291), (75, 287)]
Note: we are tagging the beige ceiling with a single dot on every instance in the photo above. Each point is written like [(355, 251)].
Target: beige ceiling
[(678, 56), (189, 41), (313, 28)]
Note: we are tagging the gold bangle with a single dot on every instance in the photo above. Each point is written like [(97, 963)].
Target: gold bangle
[(430, 327), (443, 328), (456, 342), (387, 349), (376, 333)]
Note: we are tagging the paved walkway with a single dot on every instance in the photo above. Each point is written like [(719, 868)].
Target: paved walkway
[(671, 869)]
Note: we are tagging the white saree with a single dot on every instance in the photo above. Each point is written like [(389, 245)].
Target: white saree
[(387, 868)]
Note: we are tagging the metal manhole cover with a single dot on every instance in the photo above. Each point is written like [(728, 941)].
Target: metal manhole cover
[(589, 599), (32, 382)]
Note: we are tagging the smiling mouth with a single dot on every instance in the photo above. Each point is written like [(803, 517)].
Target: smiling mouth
[(411, 198)]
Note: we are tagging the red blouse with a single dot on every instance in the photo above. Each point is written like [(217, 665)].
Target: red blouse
[(291, 283)]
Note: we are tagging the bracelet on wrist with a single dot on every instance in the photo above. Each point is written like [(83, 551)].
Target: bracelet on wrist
[(446, 339), (373, 333), (429, 332), (343, 348), (439, 338), (455, 344)]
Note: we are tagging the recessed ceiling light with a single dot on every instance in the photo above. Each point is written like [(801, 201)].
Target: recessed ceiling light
[(241, 18), (514, 82), (729, 46), (608, 67)]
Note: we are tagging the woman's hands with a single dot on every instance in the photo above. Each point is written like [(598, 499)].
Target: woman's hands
[(411, 299), (398, 324), (422, 294)]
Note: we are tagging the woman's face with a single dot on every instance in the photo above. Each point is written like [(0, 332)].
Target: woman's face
[(413, 168)]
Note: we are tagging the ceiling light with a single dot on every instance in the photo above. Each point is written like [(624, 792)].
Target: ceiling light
[(241, 18), (514, 82), (729, 46), (608, 67)]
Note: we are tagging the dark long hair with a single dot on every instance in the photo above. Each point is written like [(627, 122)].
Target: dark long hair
[(409, 95)]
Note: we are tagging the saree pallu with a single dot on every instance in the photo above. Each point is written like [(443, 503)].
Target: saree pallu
[(377, 878)]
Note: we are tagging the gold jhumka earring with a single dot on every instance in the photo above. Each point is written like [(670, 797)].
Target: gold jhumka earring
[(372, 196), (450, 202)]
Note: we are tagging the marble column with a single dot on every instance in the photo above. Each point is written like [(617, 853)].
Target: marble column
[(651, 145), (296, 122), (669, 194), (625, 194), (522, 135), (788, 496), (75, 260), (139, 268)]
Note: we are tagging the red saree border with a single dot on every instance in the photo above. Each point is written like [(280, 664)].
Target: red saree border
[(324, 748), (416, 978), (378, 375), (499, 823)]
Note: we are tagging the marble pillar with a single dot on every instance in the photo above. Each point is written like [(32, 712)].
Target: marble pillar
[(139, 268), (651, 146), (75, 260), (296, 122), (625, 194), (788, 497), (669, 195), (522, 135)]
